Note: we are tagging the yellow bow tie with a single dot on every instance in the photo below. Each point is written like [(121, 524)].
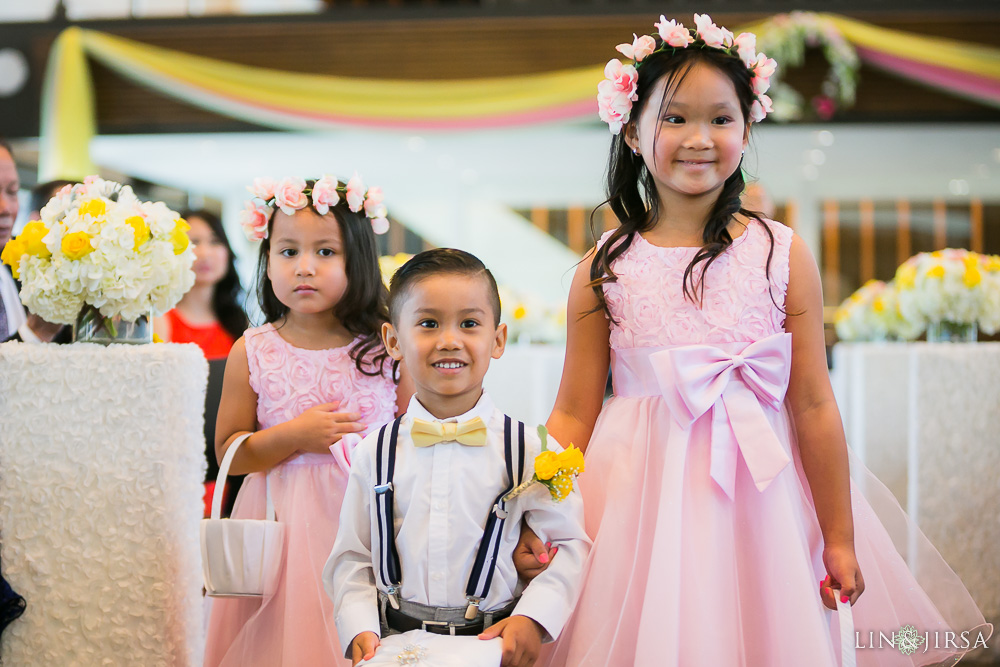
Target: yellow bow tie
[(471, 433)]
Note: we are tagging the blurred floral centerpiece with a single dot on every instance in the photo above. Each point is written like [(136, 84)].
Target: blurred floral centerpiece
[(872, 314), (102, 260), (952, 292)]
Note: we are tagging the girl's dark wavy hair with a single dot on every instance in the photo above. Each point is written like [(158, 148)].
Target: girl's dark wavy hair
[(364, 307), (631, 190), (226, 296)]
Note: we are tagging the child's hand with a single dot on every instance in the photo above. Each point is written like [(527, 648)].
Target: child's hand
[(843, 579), (363, 647), (319, 427), (531, 556), (522, 640)]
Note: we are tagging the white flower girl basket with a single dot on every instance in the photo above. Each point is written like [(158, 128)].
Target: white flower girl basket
[(237, 553)]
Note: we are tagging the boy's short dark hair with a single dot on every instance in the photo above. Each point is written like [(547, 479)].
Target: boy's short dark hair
[(436, 262)]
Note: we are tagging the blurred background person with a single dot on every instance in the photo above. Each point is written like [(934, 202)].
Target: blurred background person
[(210, 316)]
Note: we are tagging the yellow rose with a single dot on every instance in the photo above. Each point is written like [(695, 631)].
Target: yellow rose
[(77, 245), (878, 305), (93, 207), (11, 255), (936, 271), (141, 230), (906, 277), (546, 465), (993, 263), (571, 460), (972, 277), (520, 312), (561, 486), (32, 236), (179, 236)]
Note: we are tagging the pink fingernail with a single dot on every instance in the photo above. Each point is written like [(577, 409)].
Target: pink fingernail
[(543, 558), (844, 598)]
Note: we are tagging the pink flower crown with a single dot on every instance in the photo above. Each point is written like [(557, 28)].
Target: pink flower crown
[(617, 92), (292, 194)]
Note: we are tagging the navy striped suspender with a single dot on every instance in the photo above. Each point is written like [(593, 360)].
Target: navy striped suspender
[(385, 465), (486, 559), (389, 572)]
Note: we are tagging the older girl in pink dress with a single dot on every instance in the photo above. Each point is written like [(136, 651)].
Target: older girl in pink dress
[(717, 488)]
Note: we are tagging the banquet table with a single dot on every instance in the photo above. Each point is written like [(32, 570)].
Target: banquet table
[(925, 418), (102, 455)]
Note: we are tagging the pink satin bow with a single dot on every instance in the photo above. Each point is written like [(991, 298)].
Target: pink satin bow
[(697, 378)]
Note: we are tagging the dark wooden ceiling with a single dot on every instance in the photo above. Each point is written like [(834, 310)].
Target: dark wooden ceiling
[(445, 47)]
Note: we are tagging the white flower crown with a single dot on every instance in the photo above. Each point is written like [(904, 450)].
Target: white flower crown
[(292, 194), (617, 92)]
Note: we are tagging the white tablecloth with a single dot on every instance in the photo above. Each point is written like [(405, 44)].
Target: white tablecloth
[(102, 453), (925, 418)]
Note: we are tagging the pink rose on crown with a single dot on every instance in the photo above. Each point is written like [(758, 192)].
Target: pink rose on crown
[(253, 219), (673, 33), (263, 188), (760, 84), (760, 108), (710, 33), (289, 195), (380, 225), (373, 202), (619, 79), (355, 193), (764, 66), (746, 48), (325, 195), (639, 48)]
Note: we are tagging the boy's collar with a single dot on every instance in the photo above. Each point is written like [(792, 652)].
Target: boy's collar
[(483, 408)]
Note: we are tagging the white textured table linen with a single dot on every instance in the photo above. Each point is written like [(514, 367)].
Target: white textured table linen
[(925, 418), (102, 460)]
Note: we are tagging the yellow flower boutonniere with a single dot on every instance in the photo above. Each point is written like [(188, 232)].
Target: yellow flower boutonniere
[(554, 471)]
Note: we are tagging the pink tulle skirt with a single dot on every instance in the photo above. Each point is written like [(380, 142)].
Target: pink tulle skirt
[(292, 625), (681, 575)]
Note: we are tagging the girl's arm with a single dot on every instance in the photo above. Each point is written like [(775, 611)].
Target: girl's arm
[(822, 444), (585, 369), (313, 431), (404, 390)]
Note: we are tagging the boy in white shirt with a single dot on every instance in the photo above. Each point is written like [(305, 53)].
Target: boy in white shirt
[(437, 476)]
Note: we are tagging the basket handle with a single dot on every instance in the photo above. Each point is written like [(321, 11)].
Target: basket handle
[(220, 484)]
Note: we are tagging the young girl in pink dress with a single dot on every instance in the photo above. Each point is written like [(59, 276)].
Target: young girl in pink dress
[(308, 384), (717, 489)]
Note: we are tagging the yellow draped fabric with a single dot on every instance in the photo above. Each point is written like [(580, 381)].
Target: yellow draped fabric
[(296, 101)]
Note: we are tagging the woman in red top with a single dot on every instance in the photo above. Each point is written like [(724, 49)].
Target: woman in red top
[(210, 316)]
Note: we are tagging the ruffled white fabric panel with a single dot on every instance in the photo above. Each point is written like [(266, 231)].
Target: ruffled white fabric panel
[(102, 460)]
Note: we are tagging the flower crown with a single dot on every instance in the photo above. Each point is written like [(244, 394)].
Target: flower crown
[(617, 92), (292, 194)]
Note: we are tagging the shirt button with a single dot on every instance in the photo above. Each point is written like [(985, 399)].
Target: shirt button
[(438, 506), (437, 576)]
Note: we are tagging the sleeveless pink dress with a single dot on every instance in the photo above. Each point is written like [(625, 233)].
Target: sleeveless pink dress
[(707, 549), (293, 625)]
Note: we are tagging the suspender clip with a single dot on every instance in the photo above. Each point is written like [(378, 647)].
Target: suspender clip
[(473, 609), (383, 488), (393, 594), (499, 511)]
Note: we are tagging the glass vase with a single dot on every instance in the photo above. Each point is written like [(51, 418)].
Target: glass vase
[(952, 332), (92, 327)]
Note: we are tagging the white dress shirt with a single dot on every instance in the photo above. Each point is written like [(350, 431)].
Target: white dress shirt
[(10, 301), (443, 495)]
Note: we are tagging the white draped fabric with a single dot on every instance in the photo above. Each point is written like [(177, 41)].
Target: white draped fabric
[(102, 459)]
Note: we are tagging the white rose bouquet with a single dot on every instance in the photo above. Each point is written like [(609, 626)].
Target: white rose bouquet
[(98, 246), (857, 319)]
